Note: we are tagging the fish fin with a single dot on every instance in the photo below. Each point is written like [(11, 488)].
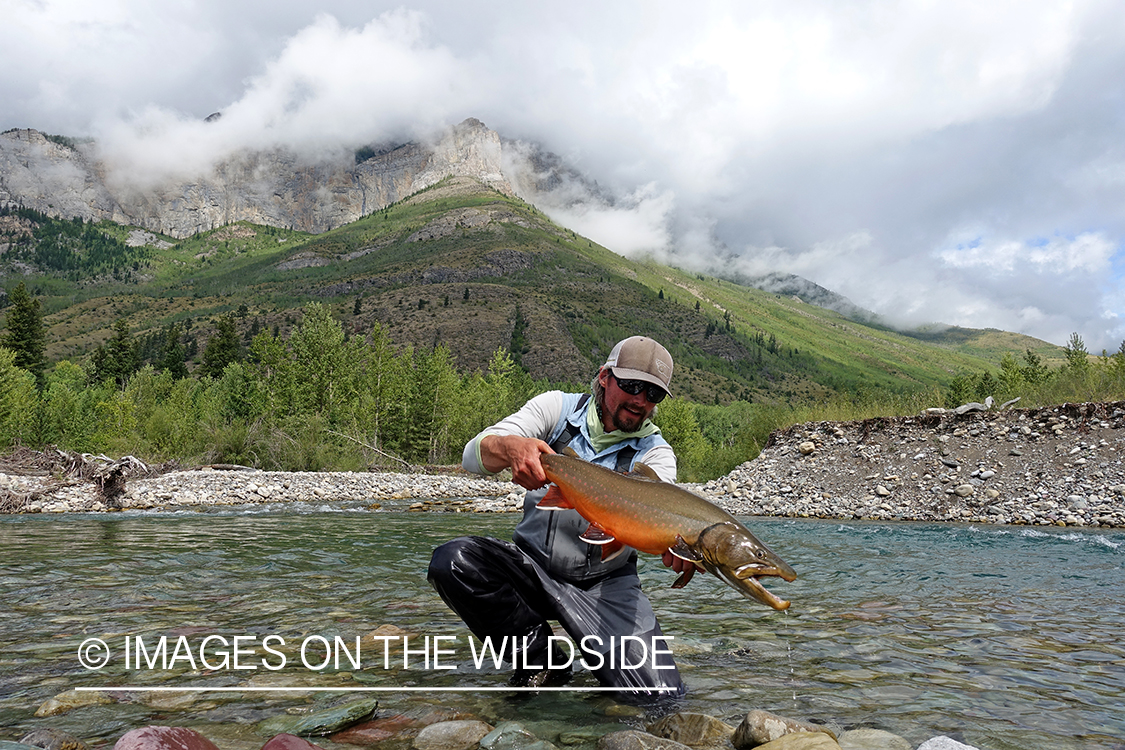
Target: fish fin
[(683, 550), (686, 576), (554, 500), (568, 451), (612, 550), (642, 470), (596, 535)]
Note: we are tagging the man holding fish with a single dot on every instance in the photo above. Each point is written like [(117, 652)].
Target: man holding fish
[(578, 564)]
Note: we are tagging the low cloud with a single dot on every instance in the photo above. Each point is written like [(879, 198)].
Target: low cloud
[(330, 90)]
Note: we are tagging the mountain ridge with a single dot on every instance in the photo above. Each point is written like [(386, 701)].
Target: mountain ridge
[(460, 261), (276, 187)]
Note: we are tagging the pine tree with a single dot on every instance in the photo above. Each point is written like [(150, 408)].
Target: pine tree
[(118, 358), (25, 336), (222, 348), (173, 356)]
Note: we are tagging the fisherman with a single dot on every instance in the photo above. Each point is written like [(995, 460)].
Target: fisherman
[(512, 589)]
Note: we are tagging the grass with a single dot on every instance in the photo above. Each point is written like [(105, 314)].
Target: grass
[(577, 299)]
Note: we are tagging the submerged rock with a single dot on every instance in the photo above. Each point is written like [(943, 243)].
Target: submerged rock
[(164, 738), (49, 738), (452, 735), (872, 739), (944, 743), (71, 699), (632, 739), (290, 742), (375, 731), (322, 722), (695, 730), (512, 735), (761, 727), (802, 741)]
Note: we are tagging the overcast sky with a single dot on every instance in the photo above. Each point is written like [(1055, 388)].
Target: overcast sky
[(949, 161)]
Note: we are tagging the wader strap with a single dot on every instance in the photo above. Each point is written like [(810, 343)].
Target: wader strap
[(569, 431), (624, 456)]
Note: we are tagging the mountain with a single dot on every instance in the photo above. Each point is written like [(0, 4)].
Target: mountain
[(431, 243), (278, 187)]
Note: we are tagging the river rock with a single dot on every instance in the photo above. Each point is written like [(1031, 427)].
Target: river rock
[(164, 738), (49, 738), (802, 741), (322, 722), (694, 730), (290, 742), (452, 735), (944, 743), (374, 731), (631, 739), (70, 699), (761, 727), (872, 739), (511, 735)]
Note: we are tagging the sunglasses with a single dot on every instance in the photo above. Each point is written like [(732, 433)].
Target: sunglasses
[(654, 394)]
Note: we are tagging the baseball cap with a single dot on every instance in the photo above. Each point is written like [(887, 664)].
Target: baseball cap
[(641, 358)]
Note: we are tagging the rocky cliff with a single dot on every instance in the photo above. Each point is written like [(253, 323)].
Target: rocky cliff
[(276, 187)]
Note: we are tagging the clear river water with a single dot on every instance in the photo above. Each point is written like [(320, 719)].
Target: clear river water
[(1001, 637)]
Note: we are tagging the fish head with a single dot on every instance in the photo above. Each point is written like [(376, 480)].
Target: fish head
[(736, 556)]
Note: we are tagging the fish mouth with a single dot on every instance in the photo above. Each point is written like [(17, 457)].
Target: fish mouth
[(745, 580), (781, 570), (762, 594)]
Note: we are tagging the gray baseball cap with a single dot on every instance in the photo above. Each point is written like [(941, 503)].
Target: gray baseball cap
[(641, 358)]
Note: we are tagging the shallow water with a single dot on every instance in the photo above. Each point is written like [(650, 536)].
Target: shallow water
[(1003, 637)]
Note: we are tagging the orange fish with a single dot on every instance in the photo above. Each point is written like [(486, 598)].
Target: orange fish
[(640, 511)]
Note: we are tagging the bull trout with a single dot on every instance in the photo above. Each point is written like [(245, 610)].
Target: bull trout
[(640, 511)]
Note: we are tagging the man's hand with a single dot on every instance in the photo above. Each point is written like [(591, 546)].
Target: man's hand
[(520, 454), (679, 565)]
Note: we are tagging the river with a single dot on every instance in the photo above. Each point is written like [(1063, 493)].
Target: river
[(1003, 637)]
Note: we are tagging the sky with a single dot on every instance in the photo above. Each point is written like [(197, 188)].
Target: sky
[(934, 161)]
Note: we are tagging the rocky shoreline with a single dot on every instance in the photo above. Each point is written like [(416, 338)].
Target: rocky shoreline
[(1054, 466), (361, 723)]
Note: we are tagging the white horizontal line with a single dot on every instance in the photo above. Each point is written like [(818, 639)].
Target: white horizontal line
[(138, 688)]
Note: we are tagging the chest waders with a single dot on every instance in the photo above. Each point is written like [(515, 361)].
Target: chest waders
[(506, 595)]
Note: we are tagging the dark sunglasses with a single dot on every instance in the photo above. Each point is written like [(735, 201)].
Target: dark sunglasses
[(654, 394)]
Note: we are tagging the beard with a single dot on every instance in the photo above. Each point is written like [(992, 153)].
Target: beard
[(627, 421)]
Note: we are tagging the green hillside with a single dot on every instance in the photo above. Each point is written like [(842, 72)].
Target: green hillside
[(464, 266)]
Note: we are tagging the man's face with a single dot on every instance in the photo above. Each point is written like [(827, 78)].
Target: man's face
[(620, 410)]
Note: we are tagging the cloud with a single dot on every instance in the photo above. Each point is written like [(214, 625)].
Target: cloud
[(635, 225), (955, 161), (330, 89), (1089, 254)]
